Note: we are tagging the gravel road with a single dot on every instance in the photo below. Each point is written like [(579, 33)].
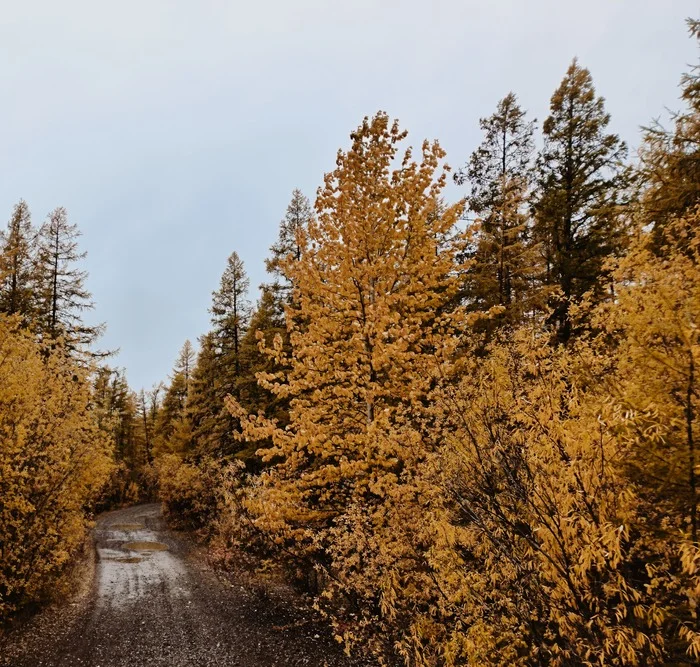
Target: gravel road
[(153, 602)]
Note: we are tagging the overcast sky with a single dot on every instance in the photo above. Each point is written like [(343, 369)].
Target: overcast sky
[(174, 132)]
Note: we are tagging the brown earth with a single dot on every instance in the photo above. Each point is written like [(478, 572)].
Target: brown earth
[(152, 599)]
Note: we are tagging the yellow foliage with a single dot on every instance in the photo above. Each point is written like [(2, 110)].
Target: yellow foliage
[(370, 330), (189, 491), (54, 460)]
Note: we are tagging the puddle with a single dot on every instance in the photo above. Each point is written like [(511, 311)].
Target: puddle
[(127, 559), (126, 526), (145, 546)]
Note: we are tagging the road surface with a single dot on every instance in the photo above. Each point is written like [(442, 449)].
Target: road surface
[(154, 603)]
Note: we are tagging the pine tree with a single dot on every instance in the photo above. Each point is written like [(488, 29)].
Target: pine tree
[(17, 258), (205, 408), (173, 432), (267, 323), (148, 407), (581, 180), (289, 245), (185, 364), (502, 263), (146, 425), (117, 412), (231, 310), (62, 296)]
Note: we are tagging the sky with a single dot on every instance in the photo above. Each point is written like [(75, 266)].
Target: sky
[(174, 131)]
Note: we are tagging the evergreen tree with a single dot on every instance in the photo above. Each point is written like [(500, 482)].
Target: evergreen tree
[(231, 311), (173, 430), (170, 416), (116, 408), (185, 365), (145, 424), (581, 179), (148, 410), (290, 243), (502, 264), (266, 323), (205, 407), (219, 366), (62, 296), (17, 258)]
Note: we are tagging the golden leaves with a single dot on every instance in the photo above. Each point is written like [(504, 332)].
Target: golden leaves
[(54, 461)]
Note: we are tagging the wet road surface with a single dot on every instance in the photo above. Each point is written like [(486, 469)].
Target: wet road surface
[(152, 603)]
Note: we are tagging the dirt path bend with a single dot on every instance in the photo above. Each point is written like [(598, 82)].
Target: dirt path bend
[(153, 603)]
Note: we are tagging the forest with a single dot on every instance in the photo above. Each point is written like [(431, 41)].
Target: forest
[(468, 429)]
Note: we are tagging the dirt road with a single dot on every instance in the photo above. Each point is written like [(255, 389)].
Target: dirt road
[(154, 603)]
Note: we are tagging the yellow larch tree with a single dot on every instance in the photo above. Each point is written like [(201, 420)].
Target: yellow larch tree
[(370, 332)]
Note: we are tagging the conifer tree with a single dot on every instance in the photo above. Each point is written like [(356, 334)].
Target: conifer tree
[(62, 296), (146, 424), (185, 364), (502, 264), (581, 180), (117, 412), (148, 406), (173, 427), (205, 407), (291, 239), (267, 323), (231, 310), (17, 258)]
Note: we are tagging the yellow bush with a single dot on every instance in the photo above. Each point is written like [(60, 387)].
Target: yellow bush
[(53, 462), (189, 491)]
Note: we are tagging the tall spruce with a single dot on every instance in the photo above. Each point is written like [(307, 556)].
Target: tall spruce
[(582, 176), (173, 429), (205, 408), (17, 259), (289, 244), (501, 264), (185, 365), (219, 365), (62, 295), (230, 310)]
